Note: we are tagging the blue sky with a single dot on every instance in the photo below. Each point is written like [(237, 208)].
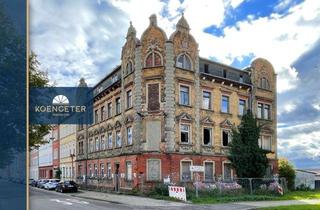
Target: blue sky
[(85, 40)]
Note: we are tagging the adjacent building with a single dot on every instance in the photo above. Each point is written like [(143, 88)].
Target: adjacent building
[(165, 108), (308, 178), (55, 149), (34, 164), (67, 150), (45, 158)]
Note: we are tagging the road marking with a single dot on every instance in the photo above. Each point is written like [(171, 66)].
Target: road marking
[(77, 201), (62, 202)]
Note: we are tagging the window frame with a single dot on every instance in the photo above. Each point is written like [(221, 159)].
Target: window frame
[(189, 132), (211, 135), (127, 175), (228, 104), (183, 64), (118, 105), (244, 108), (210, 99), (129, 98), (118, 132), (191, 177), (152, 53), (229, 136), (147, 93), (129, 127), (189, 94), (160, 169), (213, 170), (231, 170)]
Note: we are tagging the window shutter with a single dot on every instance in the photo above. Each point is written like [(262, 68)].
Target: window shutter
[(153, 97)]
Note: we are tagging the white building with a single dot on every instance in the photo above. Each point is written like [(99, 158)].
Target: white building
[(308, 177), (34, 164)]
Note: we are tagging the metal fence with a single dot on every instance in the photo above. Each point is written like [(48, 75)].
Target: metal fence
[(195, 186)]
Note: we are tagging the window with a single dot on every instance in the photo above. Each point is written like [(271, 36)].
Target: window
[(96, 119), (80, 123), (153, 97), (97, 144), (185, 133), (185, 171), (118, 139), (102, 170), (128, 171), (260, 114), (118, 106), (184, 95), (129, 99), (242, 107), (80, 170), (208, 171), (102, 143), (154, 170), (266, 112), (206, 68), (91, 146), (109, 140), (109, 110), (129, 68), (102, 113), (109, 170), (184, 62), (269, 171), (265, 143), (225, 104), (129, 135), (227, 171), (90, 170), (80, 147), (264, 83), (153, 59), (95, 170), (226, 138), (241, 79), (207, 135), (224, 73), (206, 100)]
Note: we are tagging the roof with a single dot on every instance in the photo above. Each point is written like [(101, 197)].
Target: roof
[(311, 171)]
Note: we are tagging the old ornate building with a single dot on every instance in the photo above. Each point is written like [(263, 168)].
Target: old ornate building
[(164, 108)]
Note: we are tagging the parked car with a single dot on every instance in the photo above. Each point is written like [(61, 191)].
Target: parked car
[(67, 186), (34, 183), (52, 184), (42, 182)]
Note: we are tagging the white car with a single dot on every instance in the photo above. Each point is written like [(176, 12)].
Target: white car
[(52, 184)]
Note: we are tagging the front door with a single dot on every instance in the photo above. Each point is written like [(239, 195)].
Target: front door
[(116, 177)]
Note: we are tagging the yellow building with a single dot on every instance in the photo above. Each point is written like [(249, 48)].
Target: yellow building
[(67, 151)]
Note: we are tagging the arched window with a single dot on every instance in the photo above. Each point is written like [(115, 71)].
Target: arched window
[(183, 62), (129, 67), (264, 83), (153, 59)]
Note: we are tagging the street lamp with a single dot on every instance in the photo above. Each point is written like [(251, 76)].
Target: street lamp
[(72, 155)]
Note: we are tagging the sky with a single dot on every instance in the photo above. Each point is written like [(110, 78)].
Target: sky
[(84, 39)]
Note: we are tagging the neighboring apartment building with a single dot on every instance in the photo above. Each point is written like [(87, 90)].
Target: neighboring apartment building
[(55, 149), (34, 164), (67, 150), (45, 158), (165, 108)]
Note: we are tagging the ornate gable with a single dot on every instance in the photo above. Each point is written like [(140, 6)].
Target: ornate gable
[(184, 116), (109, 127), (226, 124), (117, 125), (102, 129), (207, 120)]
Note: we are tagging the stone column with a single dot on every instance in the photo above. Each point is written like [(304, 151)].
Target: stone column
[(137, 100), (169, 107), (197, 105)]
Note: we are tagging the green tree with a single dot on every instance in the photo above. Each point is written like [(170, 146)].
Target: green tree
[(287, 171), (37, 78), (58, 174), (246, 157)]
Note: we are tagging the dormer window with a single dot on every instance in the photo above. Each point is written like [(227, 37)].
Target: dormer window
[(264, 83), (153, 59), (183, 61), (129, 68)]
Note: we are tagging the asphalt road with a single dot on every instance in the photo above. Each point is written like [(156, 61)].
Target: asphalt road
[(49, 200)]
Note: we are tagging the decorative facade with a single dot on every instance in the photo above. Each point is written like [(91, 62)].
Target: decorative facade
[(164, 108)]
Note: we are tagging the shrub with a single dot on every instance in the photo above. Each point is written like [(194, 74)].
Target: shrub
[(303, 187), (287, 171)]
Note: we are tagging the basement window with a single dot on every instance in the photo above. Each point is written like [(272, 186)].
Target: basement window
[(207, 136)]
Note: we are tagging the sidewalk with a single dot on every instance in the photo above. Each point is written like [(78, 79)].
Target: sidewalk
[(127, 199), (262, 204)]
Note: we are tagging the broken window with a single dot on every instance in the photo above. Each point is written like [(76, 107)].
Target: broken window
[(185, 133), (206, 136), (225, 138)]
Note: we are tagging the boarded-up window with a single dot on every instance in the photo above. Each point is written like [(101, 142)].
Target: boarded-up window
[(208, 167), (185, 171), (153, 97), (227, 174), (153, 135), (154, 171)]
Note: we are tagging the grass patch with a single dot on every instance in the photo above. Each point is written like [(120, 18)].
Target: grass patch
[(294, 207), (294, 195)]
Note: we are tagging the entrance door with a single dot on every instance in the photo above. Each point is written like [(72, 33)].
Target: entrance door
[(116, 176)]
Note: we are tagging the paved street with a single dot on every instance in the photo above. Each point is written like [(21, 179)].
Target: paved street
[(50, 200)]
